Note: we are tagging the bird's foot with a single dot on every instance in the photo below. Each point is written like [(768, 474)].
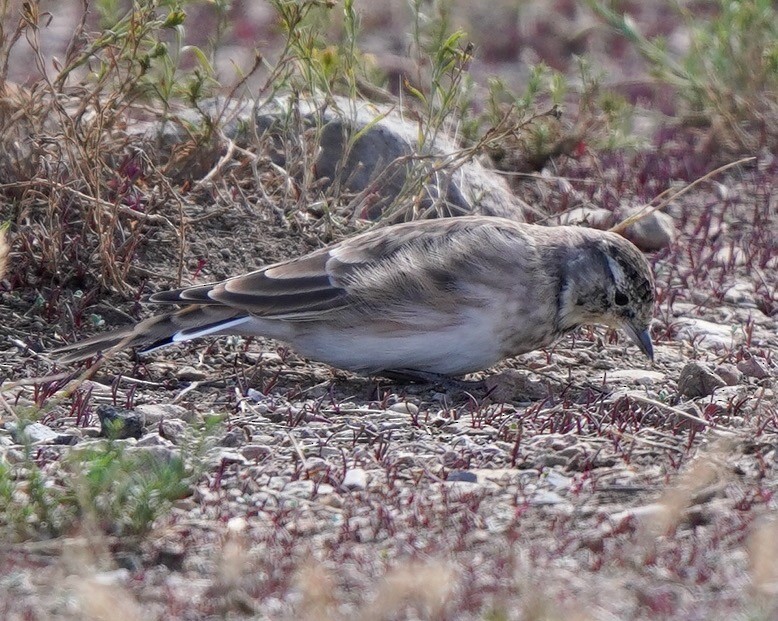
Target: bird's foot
[(426, 377)]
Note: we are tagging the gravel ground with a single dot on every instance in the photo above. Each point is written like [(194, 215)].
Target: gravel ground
[(596, 484)]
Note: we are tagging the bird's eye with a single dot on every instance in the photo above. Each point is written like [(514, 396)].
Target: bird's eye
[(621, 299)]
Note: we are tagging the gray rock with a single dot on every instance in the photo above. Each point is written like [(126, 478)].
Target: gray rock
[(67, 439), (696, 380), (653, 232), (220, 456), (754, 367), (12, 456), (705, 333), (642, 377), (729, 373), (557, 480), (32, 433), (191, 374), (233, 438), (154, 439), (549, 460), (154, 412), (119, 423), (255, 452), (462, 476), (404, 407), (462, 488), (741, 294), (93, 431), (174, 429), (544, 497), (381, 162), (303, 488)]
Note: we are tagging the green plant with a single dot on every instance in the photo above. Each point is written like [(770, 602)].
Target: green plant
[(31, 506), (728, 78), (446, 93), (139, 55), (124, 492), (118, 491)]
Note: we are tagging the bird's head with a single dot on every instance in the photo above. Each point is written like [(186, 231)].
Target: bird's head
[(608, 281)]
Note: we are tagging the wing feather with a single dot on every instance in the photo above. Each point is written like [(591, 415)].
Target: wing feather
[(356, 271)]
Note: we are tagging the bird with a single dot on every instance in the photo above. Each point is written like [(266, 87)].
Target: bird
[(418, 300)]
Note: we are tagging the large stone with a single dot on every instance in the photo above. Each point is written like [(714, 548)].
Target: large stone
[(369, 149), (754, 367), (374, 150), (155, 412), (652, 232)]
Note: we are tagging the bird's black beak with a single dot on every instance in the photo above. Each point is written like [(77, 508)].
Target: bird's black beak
[(641, 338)]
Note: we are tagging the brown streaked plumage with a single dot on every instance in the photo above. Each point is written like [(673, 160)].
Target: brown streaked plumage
[(448, 296)]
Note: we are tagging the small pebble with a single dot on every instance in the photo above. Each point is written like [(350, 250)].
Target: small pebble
[(705, 333), (154, 439), (729, 373), (119, 423), (255, 452), (233, 438), (696, 380), (173, 429), (637, 376), (653, 232), (355, 479), (405, 407), (155, 412), (754, 367), (191, 374), (32, 433), (462, 476), (223, 456)]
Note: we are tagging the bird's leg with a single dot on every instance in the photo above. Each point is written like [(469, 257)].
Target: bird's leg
[(427, 377)]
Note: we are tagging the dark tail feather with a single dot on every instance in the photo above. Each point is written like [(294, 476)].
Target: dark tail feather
[(152, 333)]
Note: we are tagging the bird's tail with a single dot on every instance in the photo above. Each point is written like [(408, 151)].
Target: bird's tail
[(158, 331)]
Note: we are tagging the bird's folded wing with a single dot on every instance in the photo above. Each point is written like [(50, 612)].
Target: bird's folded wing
[(377, 263), (299, 286), (295, 289)]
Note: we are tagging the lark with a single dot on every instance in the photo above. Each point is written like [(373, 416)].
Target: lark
[(441, 297)]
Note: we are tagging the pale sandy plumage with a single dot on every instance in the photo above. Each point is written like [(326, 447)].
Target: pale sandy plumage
[(448, 296)]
